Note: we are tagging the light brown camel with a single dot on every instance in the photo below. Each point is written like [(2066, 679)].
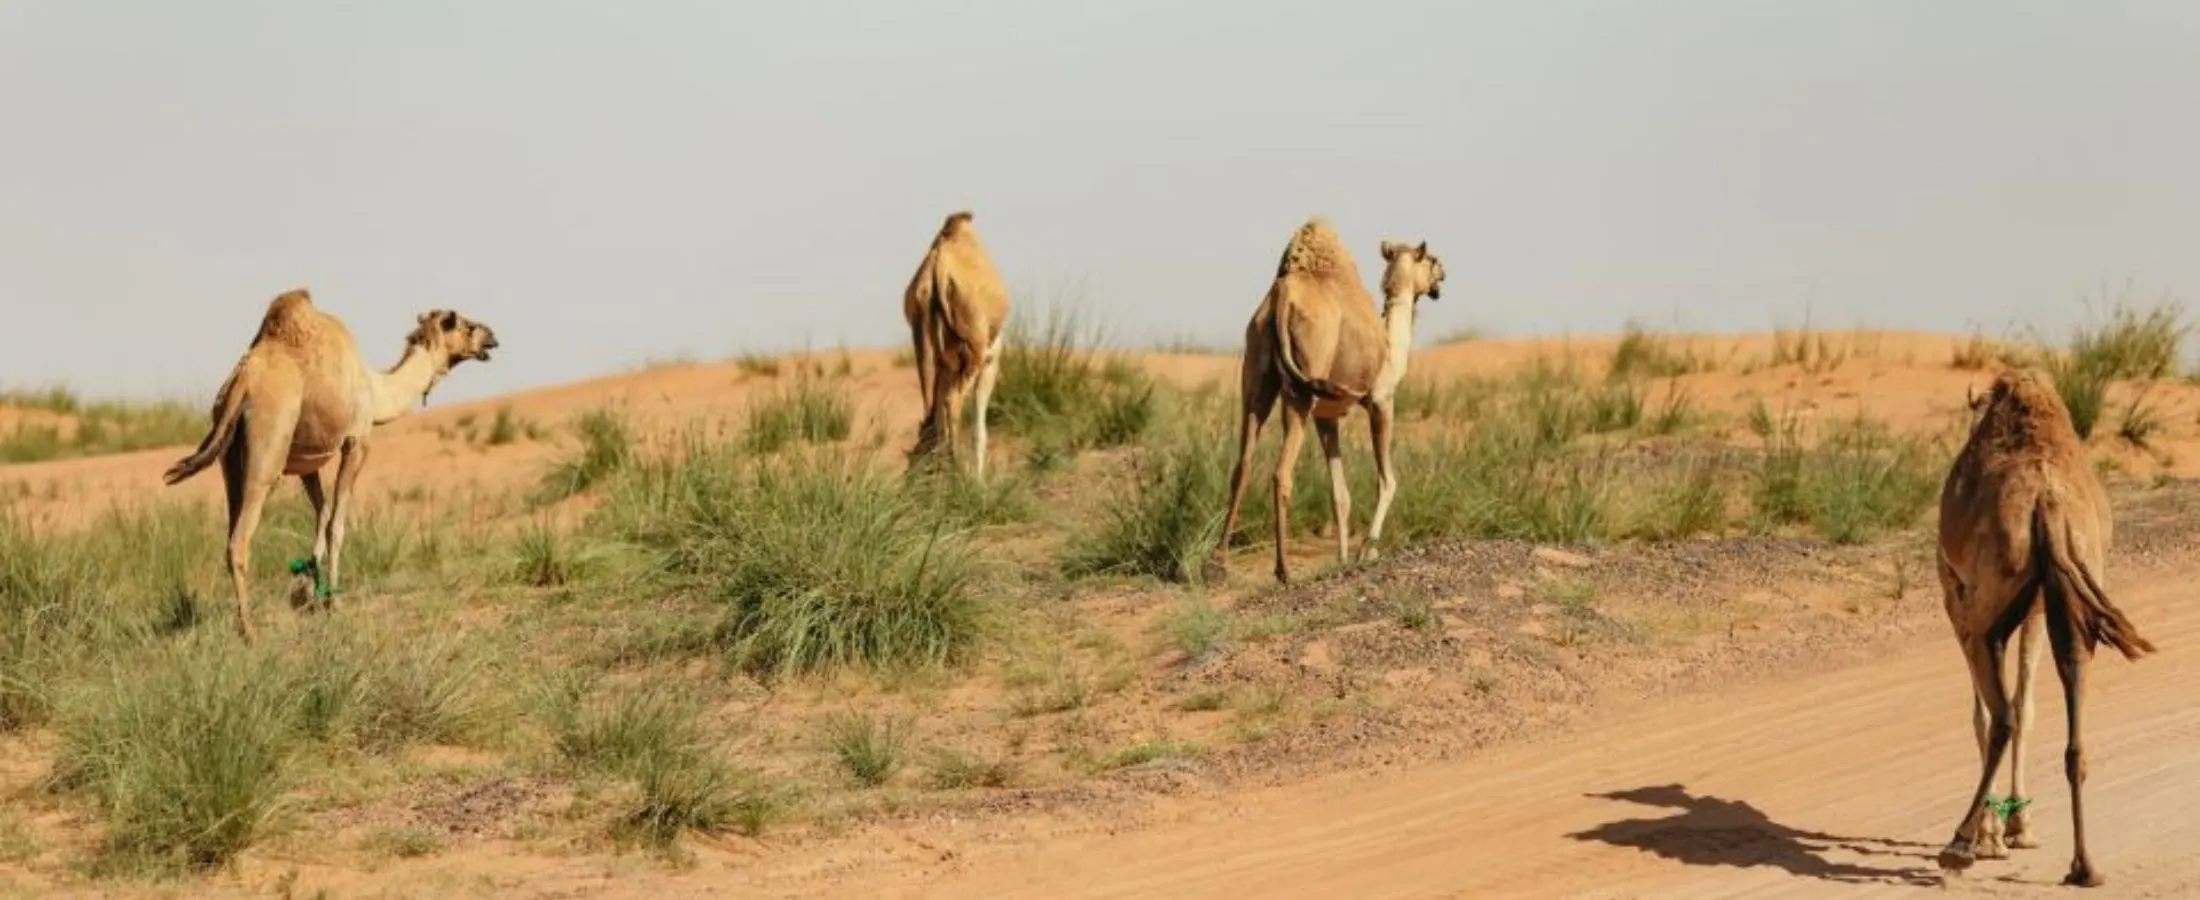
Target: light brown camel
[(2024, 533), (1316, 343), (300, 397), (957, 310)]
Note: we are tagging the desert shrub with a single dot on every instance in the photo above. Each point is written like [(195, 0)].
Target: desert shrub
[(183, 750), (1055, 394), (821, 562), (868, 747), (1857, 482), (607, 446), (1165, 522), (1642, 354), (808, 411)]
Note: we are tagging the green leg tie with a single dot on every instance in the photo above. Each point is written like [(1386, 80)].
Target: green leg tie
[(2006, 807), (320, 584)]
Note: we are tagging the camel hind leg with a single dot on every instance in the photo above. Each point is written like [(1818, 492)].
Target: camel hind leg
[(2071, 657), (262, 451), (1259, 399), (2021, 834), (1984, 654)]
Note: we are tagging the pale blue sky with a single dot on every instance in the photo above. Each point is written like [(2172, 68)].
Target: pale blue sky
[(607, 182)]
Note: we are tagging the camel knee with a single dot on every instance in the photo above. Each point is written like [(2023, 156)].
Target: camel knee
[(2074, 765)]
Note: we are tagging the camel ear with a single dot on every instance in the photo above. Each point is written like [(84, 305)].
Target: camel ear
[(1390, 250), (1421, 252), (450, 321)]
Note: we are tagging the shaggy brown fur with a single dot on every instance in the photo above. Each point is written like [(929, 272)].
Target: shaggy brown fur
[(300, 398), (2024, 536), (1317, 344), (956, 308)]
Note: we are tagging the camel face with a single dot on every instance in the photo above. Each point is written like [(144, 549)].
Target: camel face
[(1413, 271), (454, 337)]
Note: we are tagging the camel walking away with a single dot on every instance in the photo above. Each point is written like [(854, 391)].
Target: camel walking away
[(957, 310), (300, 397), (1316, 344), (2024, 535)]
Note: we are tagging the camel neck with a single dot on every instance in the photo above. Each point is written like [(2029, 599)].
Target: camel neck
[(405, 384), (1398, 345)]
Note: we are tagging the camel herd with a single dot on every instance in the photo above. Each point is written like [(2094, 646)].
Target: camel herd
[(2024, 523)]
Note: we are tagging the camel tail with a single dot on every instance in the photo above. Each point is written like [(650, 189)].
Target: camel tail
[(228, 408), (2073, 593), (1322, 387), (938, 327)]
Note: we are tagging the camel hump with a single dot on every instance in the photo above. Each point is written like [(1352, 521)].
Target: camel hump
[(288, 316), (956, 225), (1316, 250)]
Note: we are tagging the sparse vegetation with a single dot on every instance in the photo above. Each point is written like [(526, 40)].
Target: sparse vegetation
[(820, 562), (607, 654), (74, 427), (607, 446), (809, 411), (869, 748)]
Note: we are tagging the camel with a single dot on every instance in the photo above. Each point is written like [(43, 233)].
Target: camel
[(300, 397), (957, 310), (1316, 343), (2024, 536)]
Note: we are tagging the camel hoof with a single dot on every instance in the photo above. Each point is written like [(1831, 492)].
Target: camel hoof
[(1954, 859), (1990, 847), (2084, 876), (2023, 841), (1369, 554), (1214, 572)]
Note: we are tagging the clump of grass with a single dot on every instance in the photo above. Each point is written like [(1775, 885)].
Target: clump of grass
[(1166, 522), (184, 752), (1812, 351), (2133, 343), (652, 735), (1675, 415), (96, 428), (607, 447), (1056, 395), (758, 365), (821, 562), (955, 769), (1146, 753), (1858, 482), (1641, 353), (1196, 629), (405, 842), (869, 748), (2141, 421), (1684, 503), (507, 427), (809, 411)]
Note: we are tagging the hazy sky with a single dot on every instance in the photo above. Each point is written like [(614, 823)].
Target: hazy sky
[(608, 182)]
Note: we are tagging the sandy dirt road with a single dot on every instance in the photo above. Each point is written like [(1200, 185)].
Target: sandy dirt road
[(1835, 784)]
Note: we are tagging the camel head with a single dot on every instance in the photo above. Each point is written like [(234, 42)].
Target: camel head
[(453, 338), (1412, 270)]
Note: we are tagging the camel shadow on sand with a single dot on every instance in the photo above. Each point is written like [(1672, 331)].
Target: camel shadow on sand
[(1713, 832)]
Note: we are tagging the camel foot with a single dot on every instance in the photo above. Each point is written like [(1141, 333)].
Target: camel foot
[(1283, 575), (1955, 858), (2084, 876), (1215, 571), (1369, 554), (1990, 846), (2019, 833), (301, 592)]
